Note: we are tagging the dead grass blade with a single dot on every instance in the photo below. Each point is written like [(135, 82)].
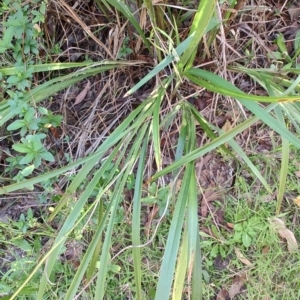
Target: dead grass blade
[(75, 17), (83, 93)]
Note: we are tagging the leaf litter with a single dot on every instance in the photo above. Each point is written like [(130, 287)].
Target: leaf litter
[(285, 233), (214, 172)]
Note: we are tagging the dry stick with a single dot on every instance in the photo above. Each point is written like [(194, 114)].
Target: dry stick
[(85, 27), (249, 31), (283, 6), (223, 41)]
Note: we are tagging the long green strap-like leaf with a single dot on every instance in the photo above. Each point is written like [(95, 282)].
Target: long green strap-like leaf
[(195, 261), (136, 221), (117, 197), (164, 63), (88, 257), (206, 148), (206, 127), (51, 87), (202, 18), (270, 121), (181, 269), (172, 246), (218, 85), (46, 67), (74, 213), (66, 229), (126, 126), (285, 156), (192, 214), (156, 130)]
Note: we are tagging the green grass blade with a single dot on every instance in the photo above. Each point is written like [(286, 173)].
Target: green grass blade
[(136, 221), (270, 121), (47, 67), (197, 289), (164, 63), (77, 279), (197, 153), (156, 130), (53, 86), (69, 223), (293, 114), (193, 237), (87, 261), (5, 116), (218, 85), (132, 158), (206, 127), (201, 20), (105, 257), (292, 87), (90, 267), (127, 125), (181, 269), (35, 270), (67, 227), (109, 179), (238, 150), (194, 256), (71, 219), (172, 246), (285, 155)]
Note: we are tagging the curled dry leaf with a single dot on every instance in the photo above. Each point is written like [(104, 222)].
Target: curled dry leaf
[(230, 225), (83, 93), (294, 12), (227, 126), (237, 284), (241, 257), (208, 196), (285, 233), (265, 250), (235, 288), (297, 201), (222, 295)]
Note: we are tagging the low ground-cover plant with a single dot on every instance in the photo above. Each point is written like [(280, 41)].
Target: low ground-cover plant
[(21, 38), (20, 35)]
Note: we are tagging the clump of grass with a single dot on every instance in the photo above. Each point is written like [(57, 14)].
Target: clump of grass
[(131, 156)]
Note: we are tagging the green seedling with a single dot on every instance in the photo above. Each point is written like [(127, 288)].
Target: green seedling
[(246, 231), (17, 103), (48, 119), (125, 50), (21, 80), (215, 246), (32, 146), (21, 30), (26, 221), (158, 197), (282, 57), (28, 123)]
